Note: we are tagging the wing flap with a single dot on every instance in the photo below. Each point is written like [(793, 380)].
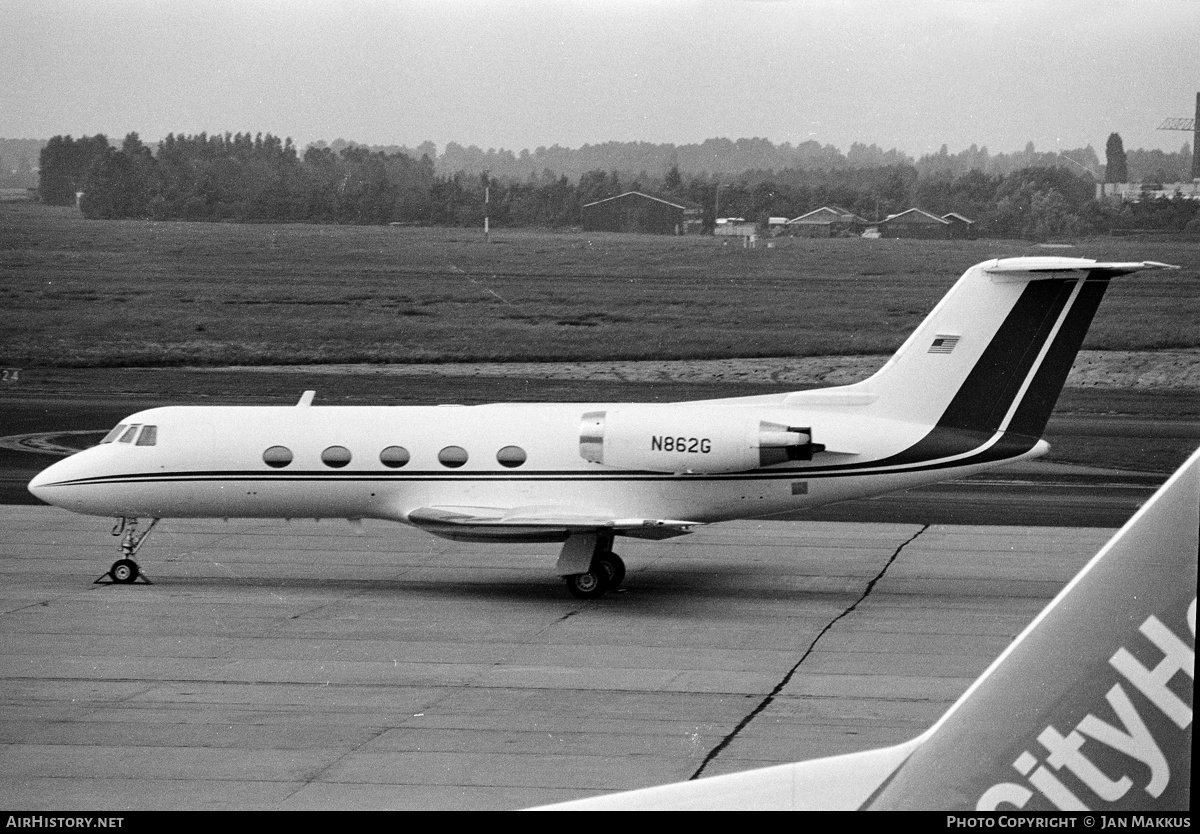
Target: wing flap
[(537, 523)]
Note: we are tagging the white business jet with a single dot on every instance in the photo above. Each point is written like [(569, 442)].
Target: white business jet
[(971, 388), (1089, 709)]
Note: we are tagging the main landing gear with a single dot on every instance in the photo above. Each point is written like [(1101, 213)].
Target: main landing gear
[(605, 572), (125, 571)]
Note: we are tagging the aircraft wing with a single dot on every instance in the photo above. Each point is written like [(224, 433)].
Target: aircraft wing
[(1089, 708), (836, 783), (537, 523)]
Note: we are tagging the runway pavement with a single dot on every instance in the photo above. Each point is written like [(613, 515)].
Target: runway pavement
[(297, 665)]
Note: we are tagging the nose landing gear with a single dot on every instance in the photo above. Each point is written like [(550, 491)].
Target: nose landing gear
[(125, 571)]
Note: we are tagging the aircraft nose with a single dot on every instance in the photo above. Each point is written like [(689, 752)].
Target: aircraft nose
[(38, 485), (42, 484)]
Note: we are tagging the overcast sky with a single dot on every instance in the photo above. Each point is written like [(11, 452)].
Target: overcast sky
[(908, 74)]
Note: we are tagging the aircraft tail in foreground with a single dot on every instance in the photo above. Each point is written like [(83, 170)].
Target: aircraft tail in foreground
[(1090, 708)]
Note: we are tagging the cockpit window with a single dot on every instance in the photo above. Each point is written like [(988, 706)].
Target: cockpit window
[(130, 433), (114, 434), (148, 437)]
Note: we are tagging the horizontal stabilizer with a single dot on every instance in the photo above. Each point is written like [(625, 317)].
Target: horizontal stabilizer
[(1030, 269)]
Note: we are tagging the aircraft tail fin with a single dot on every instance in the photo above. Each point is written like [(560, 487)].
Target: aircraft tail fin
[(994, 353), (1089, 708)]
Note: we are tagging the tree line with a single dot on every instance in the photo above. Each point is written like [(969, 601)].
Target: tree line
[(733, 156), (239, 177)]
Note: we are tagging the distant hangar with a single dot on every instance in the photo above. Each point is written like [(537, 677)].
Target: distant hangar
[(827, 221), (642, 213), (835, 221), (921, 224), (634, 211)]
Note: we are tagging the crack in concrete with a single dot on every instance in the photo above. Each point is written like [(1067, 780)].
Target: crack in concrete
[(770, 698)]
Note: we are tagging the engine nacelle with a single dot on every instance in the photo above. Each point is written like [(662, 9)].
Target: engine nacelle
[(690, 440)]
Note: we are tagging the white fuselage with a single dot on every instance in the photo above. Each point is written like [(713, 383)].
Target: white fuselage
[(208, 461)]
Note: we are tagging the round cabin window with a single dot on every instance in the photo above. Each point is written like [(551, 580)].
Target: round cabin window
[(335, 457), (394, 457), (277, 457), (452, 457), (511, 456)]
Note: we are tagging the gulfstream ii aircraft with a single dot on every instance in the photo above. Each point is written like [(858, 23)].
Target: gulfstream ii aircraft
[(971, 388)]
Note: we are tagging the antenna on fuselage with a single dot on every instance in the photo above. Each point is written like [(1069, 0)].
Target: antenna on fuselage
[(306, 399)]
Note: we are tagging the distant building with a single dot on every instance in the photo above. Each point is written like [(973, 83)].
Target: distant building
[(1135, 192), (915, 223), (634, 211), (827, 221), (960, 227), (735, 227), (777, 226)]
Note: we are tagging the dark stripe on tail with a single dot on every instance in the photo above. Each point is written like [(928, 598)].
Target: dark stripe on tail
[(1034, 411), (990, 388), (942, 443)]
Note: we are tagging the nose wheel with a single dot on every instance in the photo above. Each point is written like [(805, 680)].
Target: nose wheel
[(125, 571)]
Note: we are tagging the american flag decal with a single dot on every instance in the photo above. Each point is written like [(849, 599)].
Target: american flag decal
[(943, 344)]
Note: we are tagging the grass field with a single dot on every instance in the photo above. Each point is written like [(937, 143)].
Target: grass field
[(79, 293)]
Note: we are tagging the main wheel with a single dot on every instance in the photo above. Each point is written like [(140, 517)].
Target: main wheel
[(124, 571), (611, 569), (588, 585)]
